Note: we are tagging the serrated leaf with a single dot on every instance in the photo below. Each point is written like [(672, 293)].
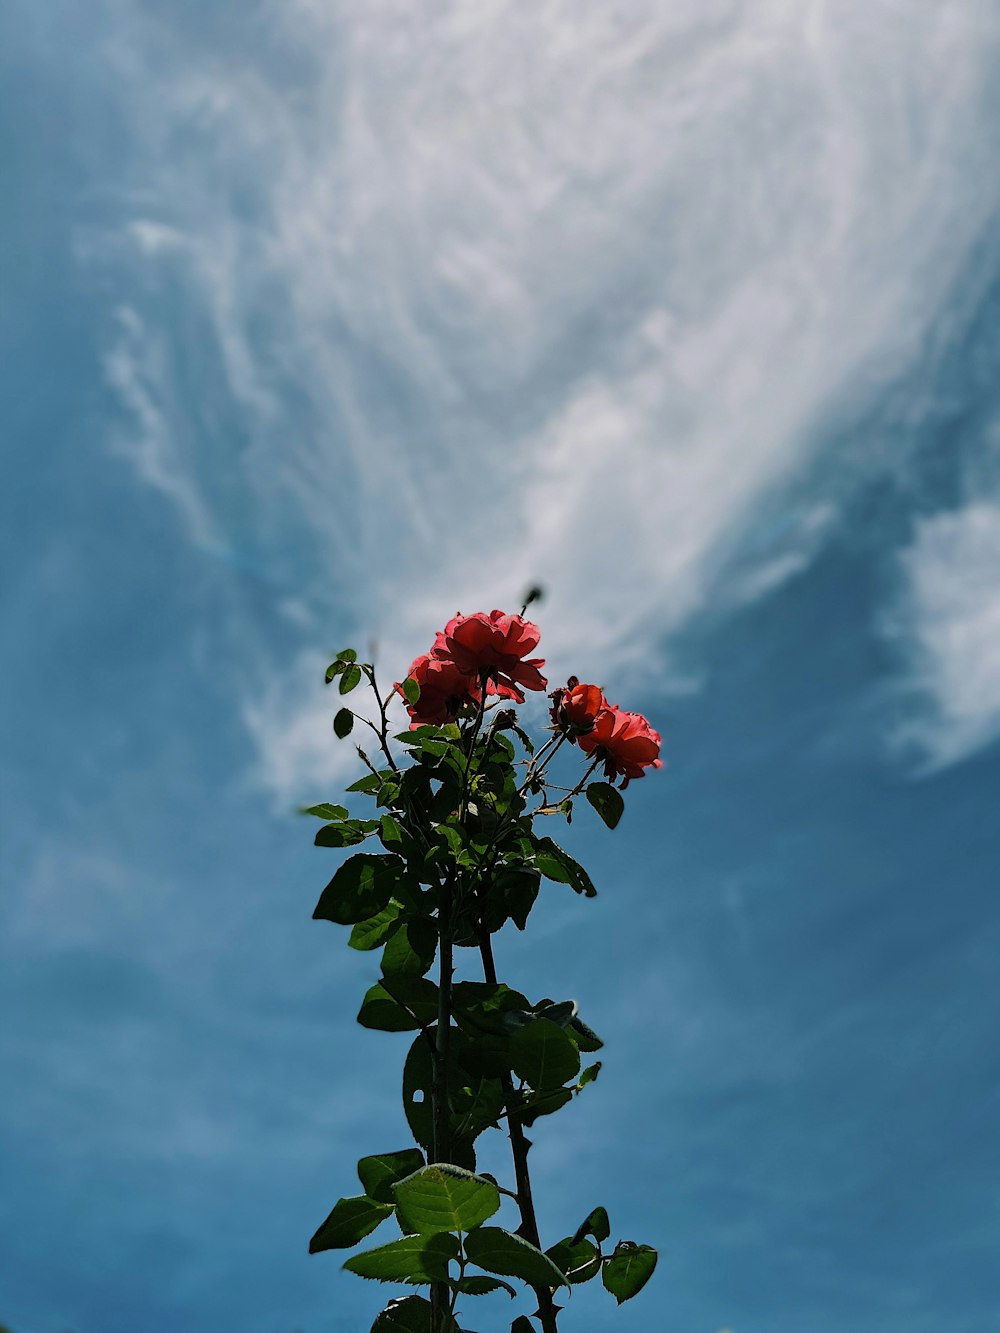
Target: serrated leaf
[(361, 887), (502, 1252), (343, 724), (579, 1260), (478, 1286), (415, 1259), (442, 1197), (368, 784), (381, 1171), (554, 863), (350, 1221), (411, 1314), (595, 1224), (326, 811), (607, 801), (398, 1005), (346, 834), (543, 1055), (410, 951), (628, 1270), (376, 930), (350, 679), (589, 1075)]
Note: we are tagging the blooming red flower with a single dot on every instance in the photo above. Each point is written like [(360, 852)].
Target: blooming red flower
[(495, 645), (443, 690), (576, 706), (626, 743)]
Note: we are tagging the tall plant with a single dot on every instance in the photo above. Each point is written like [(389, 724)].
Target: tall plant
[(457, 798)]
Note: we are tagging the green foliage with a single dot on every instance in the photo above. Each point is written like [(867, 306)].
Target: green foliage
[(455, 859), (350, 1221), (628, 1270)]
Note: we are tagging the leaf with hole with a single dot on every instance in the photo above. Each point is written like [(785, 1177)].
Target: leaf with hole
[(350, 1221)]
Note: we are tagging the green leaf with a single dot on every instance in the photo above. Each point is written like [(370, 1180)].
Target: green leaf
[(628, 1270), (544, 1055), (361, 887), (607, 801), (390, 833), (414, 1259), (350, 1221), (554, 863), (410, 951), (411, 690), (586, 1038), (380, 1172), (402, 1008), (369, 784), (347, 655), (442, 1197), (580, 1260), (326, 811), (502, 1252), (343, 724), (412, 1314), (595, 1224), (350, 680), (478, 1286), (346, 834), (376, 930), (589, 1075), (545, 1104)]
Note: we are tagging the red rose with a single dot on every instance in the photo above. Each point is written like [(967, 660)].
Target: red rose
[(443, 690), (495, 645), (577, 706), (625, 741)]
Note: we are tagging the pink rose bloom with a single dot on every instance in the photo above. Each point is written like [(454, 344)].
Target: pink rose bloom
[(577, 706), (444, 690), (497, 645), (626, 742)]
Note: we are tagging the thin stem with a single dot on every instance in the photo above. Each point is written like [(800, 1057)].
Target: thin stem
[(519, 1146), (441, 1136)]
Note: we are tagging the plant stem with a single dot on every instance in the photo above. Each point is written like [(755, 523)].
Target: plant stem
[(441, 1136), (519, 1146)]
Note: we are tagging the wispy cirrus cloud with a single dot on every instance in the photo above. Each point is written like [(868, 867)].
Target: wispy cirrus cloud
[(509, 292)]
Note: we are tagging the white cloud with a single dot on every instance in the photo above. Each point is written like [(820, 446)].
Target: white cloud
[(507, 292), (949, 623)]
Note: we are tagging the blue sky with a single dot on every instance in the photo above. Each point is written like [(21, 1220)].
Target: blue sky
[(322, 321)]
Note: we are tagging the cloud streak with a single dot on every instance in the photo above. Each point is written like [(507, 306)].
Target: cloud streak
[(508, 292)]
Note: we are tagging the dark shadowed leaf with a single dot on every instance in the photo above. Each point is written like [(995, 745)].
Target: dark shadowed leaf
[(586, 1038), (376, 930), (544, 1055), (414, 1259), (481, 1286), (381, 1171), (350, 1221), (404, 1007), (595, 1224), (345, 834), (412, 1314), (554, 863), (502, 1252), (410, 951), (606, 801), (343, 723), (522, 1324), (361, 887), (628, 1270), (579, 1260)]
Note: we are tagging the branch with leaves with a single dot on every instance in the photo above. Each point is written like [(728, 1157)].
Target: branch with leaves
[(460, 858)]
